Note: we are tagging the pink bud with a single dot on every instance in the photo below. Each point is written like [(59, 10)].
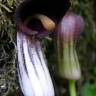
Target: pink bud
[(70, 27)]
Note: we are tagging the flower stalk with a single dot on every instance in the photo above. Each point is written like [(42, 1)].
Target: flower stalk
[(72, 89)]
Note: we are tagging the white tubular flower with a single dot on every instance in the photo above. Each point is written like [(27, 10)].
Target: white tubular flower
[(33, 73)]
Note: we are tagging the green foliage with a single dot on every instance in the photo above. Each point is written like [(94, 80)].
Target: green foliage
[(8, 85), (89, 89)]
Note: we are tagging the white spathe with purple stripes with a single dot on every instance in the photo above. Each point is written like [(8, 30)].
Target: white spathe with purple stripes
[(33, 73)]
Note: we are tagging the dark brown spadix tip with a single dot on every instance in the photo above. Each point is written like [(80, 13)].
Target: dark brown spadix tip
[(34, 8), (47, 23)]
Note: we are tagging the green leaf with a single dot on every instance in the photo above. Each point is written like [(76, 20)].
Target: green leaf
[(89, 89)]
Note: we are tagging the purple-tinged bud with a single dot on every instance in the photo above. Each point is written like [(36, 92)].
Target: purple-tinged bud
[(67, 32)]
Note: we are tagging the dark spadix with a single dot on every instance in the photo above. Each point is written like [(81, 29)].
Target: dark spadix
[(53, 9)]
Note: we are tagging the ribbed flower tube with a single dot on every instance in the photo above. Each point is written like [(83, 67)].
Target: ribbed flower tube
[(32, 70), (33, 74), (67, 32)]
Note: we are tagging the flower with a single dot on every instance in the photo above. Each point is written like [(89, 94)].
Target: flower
[(67, 32)]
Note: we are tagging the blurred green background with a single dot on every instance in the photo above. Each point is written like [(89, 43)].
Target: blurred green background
[(86, 49)]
